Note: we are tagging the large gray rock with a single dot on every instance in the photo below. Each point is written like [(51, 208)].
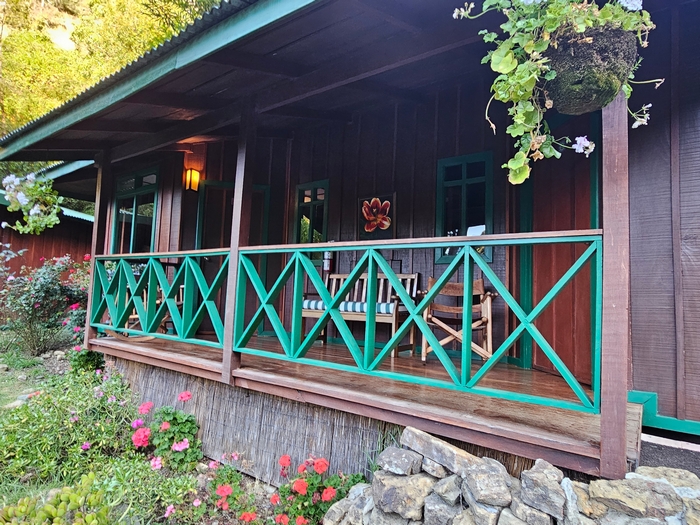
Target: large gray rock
[(508, 518), (438, 512), (638, 498), (361, 505), (464, 518), (571, 514), (481, 513), (337, 512), (400, 461), (378, 517), (434, 468), (504, 471), (449, 489), (403, 495), (618, 518), (358, 490), (526, 513), (488, 483), (686, 484), (540, 489), (452, 458), (592, 509)]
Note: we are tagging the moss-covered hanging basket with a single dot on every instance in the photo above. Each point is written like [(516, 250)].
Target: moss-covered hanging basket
[(591, 69)]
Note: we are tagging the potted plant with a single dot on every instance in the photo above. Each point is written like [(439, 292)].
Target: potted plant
[(570, 55)]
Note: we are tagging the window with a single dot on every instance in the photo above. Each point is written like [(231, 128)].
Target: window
[(464, 200), (312, 214), (134, 213)]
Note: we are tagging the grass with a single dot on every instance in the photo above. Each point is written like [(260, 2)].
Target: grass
[(13, 490)]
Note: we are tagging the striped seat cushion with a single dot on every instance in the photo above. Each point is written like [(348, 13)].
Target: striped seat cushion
[(349, 306)]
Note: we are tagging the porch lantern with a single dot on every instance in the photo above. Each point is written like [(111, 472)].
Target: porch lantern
[(192, 179)]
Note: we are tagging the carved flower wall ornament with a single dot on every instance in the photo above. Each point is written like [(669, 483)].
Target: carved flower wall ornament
[(376, 213)]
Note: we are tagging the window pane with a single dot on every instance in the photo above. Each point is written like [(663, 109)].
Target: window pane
[(452, 211), (320, 194), (476, 208), (306, 196), (476, 170), (144, 223), (318, 224), (125, 212), (148, 180), (126, 184), (453, 173)]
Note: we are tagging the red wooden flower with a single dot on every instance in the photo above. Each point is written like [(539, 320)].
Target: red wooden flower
[(376, 213)]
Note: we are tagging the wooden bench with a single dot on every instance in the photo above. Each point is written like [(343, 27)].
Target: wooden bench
[(390, 309)]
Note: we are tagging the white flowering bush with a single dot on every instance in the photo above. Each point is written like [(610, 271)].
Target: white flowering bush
[(533, 31), (36, 199)]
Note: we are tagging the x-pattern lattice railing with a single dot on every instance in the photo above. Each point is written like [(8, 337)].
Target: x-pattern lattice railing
[(154, 294), (368, 358)]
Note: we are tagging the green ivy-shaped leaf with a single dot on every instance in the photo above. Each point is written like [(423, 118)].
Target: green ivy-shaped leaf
[(503, 60)]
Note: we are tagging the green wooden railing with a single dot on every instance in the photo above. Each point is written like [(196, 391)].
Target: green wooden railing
[(368, 358), (164, 295)]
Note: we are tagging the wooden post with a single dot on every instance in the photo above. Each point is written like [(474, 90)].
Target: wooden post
[(616, 343), (100, 236), (240, 230)]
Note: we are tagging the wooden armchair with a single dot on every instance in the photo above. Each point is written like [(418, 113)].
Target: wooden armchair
[(449, 318)]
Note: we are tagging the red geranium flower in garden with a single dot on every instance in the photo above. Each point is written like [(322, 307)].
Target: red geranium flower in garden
[(282, 518), (145, 408), (328, 494), (321, 465), (164, 426), (275, 499), (301, 468), (285, 461), (222, 503), (224, 490), (248, 516), (376, 213), (184, 396), (301, 520), (300, 486), (86, 257), (140, 437), (75, 306)]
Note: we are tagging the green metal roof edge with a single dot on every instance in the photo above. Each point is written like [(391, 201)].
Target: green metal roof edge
[(66, 211), (238, 25), (65, 168)]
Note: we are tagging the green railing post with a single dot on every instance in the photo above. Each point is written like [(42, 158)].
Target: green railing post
[(297, 304), (371, 300), (467, 317)]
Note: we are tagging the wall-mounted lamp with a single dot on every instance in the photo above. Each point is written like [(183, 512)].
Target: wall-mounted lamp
[(192, 179)]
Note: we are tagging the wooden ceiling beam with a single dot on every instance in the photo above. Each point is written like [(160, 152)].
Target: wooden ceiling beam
[(199, 126), (391, 55), (259, 63), (176, 101), (47, 156), (312, 114), (392, 13), (121, 126), (378, 88)]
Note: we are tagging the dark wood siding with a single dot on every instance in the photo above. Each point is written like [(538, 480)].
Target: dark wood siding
[(70, 236)]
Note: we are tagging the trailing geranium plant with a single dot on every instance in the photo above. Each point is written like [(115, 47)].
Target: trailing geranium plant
[(308, 496), (525, 63)]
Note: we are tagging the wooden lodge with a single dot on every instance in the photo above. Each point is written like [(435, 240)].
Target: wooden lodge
[(238, 245)]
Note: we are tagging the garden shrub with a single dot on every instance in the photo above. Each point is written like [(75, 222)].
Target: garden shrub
[(45, 307), (76, 422)]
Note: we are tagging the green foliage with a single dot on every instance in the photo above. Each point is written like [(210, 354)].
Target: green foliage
[(175, 15), (36, 199), (309, 495), (173, 433), (531, 28), (78, 505), (85, 360), (16, 360), (77, 422), (41, 306)]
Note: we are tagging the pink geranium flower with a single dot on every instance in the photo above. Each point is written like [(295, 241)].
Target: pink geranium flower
[(137, 423), (145, 408), (169, 511), (182, 445), (164, 426), (140, 437), (156, 463), (75, 306), (184, 396)]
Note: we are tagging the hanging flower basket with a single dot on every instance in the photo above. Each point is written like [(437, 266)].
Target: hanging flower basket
[(591, 69)]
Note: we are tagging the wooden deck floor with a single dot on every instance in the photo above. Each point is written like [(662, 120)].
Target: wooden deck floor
[(564, 437)]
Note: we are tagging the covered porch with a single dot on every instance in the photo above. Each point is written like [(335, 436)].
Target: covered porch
[(233, 166)]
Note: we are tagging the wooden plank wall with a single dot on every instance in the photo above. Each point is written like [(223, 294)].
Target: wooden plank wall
[(70, 236), (665, 223), (395, 147)]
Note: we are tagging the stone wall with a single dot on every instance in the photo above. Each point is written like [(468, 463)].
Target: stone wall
[(432, 482)]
